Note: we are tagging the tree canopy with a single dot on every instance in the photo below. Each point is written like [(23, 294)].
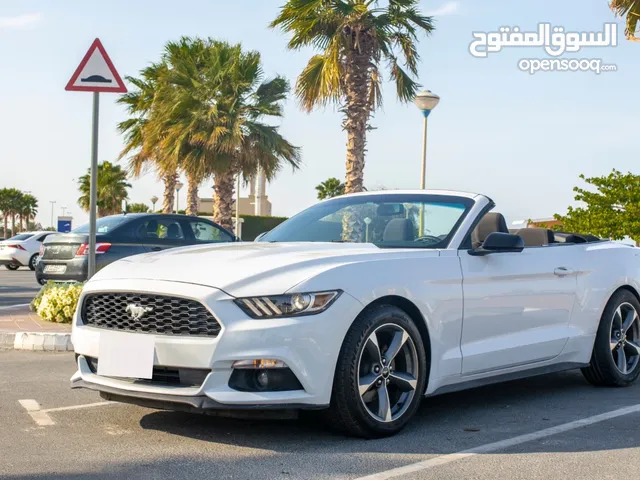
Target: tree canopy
[(630, 10), (112, 189), (611, 209), (331, 187)]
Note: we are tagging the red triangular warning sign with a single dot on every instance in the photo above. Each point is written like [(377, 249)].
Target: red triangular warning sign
[(96, 73)]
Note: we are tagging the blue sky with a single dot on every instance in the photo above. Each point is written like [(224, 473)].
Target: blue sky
[(521, 139)]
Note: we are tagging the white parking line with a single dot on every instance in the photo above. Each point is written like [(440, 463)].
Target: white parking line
[(15, 306), (33, 409), (77, 407), (41, 416), (501, 445)]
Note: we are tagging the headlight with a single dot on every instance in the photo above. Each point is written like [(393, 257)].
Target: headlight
[(295, 304)]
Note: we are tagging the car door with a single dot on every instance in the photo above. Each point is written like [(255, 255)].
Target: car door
[(517, 306), (159, 232), (204, 231)]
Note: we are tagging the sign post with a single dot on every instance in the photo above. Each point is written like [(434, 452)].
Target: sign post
[(96, 74)]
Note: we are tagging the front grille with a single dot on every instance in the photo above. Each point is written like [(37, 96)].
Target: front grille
[(184, 377), (145, 313)]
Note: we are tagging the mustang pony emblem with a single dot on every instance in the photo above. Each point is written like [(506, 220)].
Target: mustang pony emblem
[(137, 311)]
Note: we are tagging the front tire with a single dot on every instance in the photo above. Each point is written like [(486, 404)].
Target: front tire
[(13, 268), (615, 361), (380, 376)]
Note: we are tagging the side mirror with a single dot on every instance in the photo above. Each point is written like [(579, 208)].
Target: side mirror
[(498, 242)]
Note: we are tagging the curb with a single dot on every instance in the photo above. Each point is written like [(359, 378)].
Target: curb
[(36, 341)]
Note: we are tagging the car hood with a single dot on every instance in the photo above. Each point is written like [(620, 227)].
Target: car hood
[(241, 269)]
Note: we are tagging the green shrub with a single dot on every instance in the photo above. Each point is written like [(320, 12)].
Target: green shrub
[(254, 226), (57, 302)]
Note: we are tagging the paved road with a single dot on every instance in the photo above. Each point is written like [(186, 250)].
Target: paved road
[(121, 442), (17, 287)]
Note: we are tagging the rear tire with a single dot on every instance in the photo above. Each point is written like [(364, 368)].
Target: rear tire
[(376, 391), (32, 262), (615, 361), (13, 268)]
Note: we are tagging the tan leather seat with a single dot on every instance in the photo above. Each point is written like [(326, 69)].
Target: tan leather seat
[(490, 223), (536, 237)]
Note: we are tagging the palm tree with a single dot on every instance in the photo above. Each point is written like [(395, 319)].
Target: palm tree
[(137, 208), (354, 37), (112, 189), (331, 187), (13, 199), (4, 208), (28, 209), (139, 103), (631, 10), (207, 115)]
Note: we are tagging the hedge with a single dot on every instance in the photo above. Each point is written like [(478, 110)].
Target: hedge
[(253, 225)]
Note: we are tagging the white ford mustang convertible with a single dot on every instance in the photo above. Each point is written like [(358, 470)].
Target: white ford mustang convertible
[(360, 306)]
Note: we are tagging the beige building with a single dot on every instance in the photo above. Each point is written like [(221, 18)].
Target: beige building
[(247, 204)]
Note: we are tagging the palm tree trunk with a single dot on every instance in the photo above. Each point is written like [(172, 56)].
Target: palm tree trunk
[(357, 113), (6, 225), (22, 223), (13, 224), (223, 200), (192, 195), (168, 201)]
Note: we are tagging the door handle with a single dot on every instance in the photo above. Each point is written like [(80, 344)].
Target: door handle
[(156, 249), (562, 271)]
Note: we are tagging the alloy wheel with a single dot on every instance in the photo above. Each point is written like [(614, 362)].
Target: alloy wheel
[(388, 372), (625, 338)]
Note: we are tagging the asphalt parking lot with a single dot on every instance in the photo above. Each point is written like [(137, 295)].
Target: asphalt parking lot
[(18, 287), (75, 434)]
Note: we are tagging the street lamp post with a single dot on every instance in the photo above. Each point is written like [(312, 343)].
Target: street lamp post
[(426, 102), (154, 199), (64, 210), (179, 185), (52, 202)]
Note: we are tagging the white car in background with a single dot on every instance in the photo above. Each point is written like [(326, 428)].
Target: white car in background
[(22, 250), (360, 305)]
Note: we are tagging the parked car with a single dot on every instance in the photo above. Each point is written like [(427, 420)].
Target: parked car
[(64, 256), (22, 250), (360, 305)]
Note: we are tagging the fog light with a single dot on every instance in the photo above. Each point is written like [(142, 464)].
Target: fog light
[(263, 379), (259, 363)]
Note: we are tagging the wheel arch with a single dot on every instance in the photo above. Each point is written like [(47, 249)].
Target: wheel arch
[(628, 288), (410, 308)]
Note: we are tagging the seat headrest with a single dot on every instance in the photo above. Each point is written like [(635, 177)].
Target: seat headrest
[(536, 237), (399, 230), (490, 223), (173, 231)]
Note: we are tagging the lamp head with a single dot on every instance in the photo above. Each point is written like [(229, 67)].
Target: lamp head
[(426, 101)]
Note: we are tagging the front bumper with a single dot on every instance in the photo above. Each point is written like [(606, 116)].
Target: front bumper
[(308, 345)]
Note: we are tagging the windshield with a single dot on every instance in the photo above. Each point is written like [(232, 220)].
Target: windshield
[(103, 225), (387, 220), (21, 236)]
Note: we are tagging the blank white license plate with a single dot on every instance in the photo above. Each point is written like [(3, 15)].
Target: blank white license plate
[(55, 269), (127, 355)]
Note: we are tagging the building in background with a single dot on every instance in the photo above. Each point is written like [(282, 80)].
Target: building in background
[(535, 223), (247, 204)]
